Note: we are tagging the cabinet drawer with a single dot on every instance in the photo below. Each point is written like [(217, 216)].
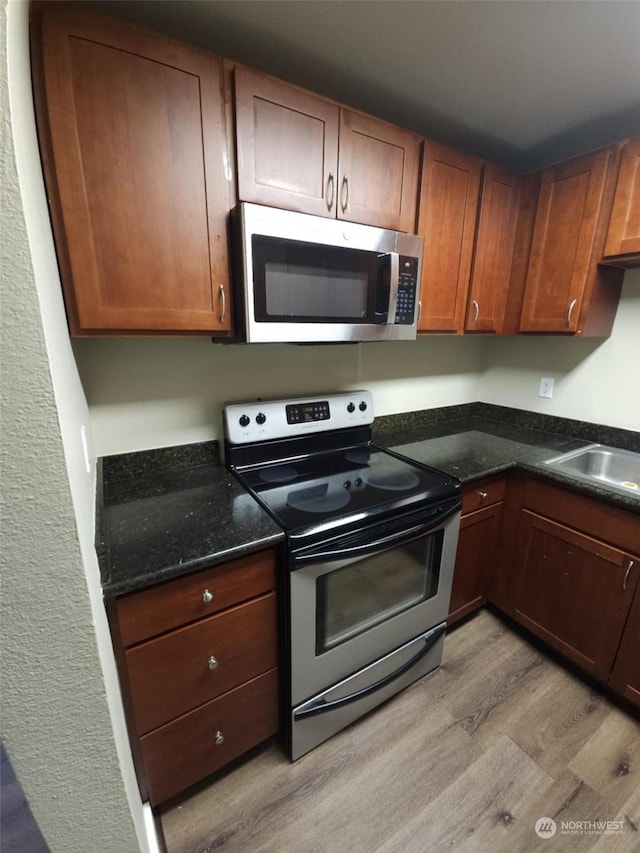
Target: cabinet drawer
[(175, 673), (185, 750), (482, 493), (142, 615), (597, 519)]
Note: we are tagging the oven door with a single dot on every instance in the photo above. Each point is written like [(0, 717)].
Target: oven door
[(359, 597)]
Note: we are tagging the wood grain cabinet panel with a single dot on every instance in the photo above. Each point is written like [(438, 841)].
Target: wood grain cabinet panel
[(446, 221), (287, 145), (493, 250), (132, 129), (477, 544), (625, 675), (623, 236), (378, 172), (565, 288), (299, 151), (198, 672), (193, 746), (182, 669)]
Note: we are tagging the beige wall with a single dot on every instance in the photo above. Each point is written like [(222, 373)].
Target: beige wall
[(155, 393), (595, 380)]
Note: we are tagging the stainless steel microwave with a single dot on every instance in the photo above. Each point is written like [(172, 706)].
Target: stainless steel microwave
[(306, 279)]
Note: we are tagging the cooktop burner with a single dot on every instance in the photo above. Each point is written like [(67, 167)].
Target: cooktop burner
[(325, 485), (312, 465)]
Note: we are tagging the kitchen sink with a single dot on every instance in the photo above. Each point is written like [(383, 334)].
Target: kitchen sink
[(597, 463)]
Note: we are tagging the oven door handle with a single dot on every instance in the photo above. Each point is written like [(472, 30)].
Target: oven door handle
[(321, 705), (382, 544)]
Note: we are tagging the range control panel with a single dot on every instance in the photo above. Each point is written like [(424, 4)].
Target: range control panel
[(262, 420)]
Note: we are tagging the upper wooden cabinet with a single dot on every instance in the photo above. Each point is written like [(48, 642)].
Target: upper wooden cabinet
[(301, 152), (132, 131), (565, 288), (493, 250), (446, 221), (623, 236), (468, 216)]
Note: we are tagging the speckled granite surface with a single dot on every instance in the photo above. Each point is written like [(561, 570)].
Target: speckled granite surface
[(477, 440), (155, 524), (163, 513)]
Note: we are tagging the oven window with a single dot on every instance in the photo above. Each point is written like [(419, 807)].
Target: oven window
[(353, 599)]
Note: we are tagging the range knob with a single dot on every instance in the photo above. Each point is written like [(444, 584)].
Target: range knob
[(243, 420), (260, 418), (363, 406), (351, 407)]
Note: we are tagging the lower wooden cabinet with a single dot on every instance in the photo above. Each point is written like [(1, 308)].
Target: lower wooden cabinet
[(479, 529), (573, 577), (625, 675), (197, 661)]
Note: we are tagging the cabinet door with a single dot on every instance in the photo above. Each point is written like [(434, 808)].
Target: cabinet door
[(623, 237), (478, 532), (561, 260), (137, 168), (287, 145), (446, 220), (494, 245), (570, 590), (625, 676), (378, 172)]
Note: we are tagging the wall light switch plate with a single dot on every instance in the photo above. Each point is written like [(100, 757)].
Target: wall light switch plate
[(546, 387)]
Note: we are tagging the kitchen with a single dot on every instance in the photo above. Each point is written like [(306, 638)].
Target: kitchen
[(162, 392)]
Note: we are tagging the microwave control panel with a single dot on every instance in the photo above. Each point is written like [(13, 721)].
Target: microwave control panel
[(407, 289)]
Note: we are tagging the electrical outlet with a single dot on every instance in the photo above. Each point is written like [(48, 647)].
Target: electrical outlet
[(546, 387)]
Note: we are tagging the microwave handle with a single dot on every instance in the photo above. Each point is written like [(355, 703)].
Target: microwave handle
[(385, 300), (394, 281)]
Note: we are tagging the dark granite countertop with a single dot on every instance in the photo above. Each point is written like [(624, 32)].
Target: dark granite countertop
[(471, 445), (164, 513), (153, 525)]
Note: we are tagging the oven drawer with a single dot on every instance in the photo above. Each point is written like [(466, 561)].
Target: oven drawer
[(189, 748), (172, 674), (145, 614), (323, 715), (483, 493)]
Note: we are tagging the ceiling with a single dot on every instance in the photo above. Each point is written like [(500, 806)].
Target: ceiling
[(525, 83)]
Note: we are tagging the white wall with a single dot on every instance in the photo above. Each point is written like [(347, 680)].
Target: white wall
[(596, 380), (155, 393), (62, 720)]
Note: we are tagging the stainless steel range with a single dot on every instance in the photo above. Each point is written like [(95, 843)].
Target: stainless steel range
[(368, 566)]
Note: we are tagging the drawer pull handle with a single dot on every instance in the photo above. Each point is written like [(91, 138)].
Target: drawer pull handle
[(219, 738), (626, 576), (483, 495), (213, 663), (207, 596)]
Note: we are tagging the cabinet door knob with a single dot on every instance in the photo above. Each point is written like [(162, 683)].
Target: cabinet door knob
[(213, 663), (570, 311), (626, 576), (223, 302), (331, 182), (219, 737), (344, 194), (207, 596), (483, 495)]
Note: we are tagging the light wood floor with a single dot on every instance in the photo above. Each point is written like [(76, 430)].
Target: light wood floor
[(468, 759)]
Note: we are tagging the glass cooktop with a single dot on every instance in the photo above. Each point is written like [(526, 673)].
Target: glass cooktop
[(359, 481)]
